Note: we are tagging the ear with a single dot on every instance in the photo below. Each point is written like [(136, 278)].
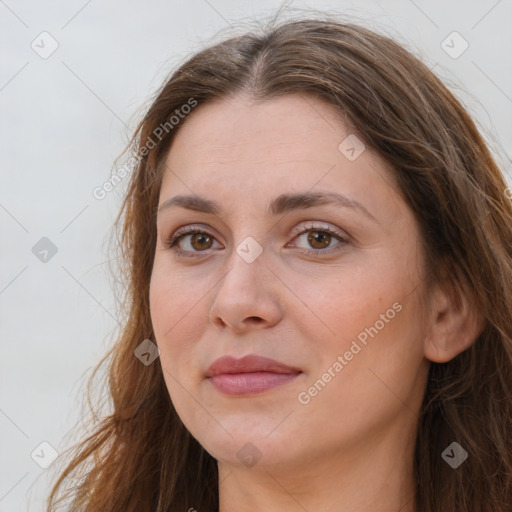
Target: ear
[(454, 323)]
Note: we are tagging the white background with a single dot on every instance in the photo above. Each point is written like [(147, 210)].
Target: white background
[(67, 117)]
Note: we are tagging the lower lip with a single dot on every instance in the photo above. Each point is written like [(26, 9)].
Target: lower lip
[(249, 383)]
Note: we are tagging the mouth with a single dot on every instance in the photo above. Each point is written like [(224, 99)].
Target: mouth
[(249, 375)]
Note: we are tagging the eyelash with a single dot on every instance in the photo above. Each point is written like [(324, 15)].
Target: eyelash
[(172, 241)]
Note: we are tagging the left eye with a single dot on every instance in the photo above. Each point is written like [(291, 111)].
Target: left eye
[(319, 238)]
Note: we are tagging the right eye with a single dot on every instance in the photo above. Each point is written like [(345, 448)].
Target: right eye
[(199, 241)]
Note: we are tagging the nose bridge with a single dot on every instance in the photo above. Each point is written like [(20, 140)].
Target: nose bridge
[(246, 264), (245, 291), (251, 239), (250, 233)]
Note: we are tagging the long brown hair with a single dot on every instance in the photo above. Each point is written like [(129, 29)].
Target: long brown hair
[(140, 457)]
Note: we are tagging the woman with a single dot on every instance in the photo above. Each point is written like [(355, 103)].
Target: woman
[(319, 243)]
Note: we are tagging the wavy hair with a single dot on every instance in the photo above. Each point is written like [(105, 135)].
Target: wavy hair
[(140, 457)]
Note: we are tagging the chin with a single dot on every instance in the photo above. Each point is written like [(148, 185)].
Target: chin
[(251, 446)]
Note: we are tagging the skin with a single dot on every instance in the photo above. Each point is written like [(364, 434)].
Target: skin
[(351, 446)]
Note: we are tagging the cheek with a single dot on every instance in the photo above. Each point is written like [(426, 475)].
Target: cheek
[(172, 297), (373, 382), (179, 316), (338, 310), (372, 321), (168, 314)]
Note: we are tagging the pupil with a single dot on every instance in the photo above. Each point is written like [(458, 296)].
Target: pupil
[(322, 236), (199, 236)]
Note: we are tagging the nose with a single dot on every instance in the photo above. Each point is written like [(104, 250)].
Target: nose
[(247, 297)]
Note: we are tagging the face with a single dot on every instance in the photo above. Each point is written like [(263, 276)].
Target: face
[(327, 286)]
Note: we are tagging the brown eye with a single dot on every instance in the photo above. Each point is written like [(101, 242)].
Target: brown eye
[(203, 241), (319, 239), (190, 240)]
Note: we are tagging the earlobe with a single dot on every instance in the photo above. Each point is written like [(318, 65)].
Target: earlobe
[(455, 323)]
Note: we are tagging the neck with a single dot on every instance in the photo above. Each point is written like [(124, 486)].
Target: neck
[(376, 475)]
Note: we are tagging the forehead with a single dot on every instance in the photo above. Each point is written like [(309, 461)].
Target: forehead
[(240, 150), (238, 126)]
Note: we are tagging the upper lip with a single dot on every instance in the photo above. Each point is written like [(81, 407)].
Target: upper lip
[(248, 364)]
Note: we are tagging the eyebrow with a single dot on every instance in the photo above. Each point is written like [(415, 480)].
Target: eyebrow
[(282, 204)]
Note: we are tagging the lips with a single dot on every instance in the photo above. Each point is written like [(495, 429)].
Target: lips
[(248, 364), (248, 375)]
